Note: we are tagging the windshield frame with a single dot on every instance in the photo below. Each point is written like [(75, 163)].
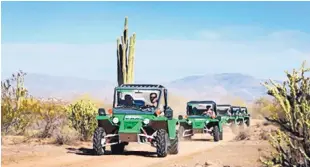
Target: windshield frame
[(222, 109), (115, 101)]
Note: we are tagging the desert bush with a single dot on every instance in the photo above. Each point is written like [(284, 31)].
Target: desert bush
[(265, 107), (292, 140), (50, 115), (66, 135), (16, 105), (243, 135), (82, 117)]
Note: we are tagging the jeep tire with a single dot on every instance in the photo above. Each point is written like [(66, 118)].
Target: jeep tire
[(97, 141), (174, 145), (221, 135), (216, 133), (248, 122), (161, 140)]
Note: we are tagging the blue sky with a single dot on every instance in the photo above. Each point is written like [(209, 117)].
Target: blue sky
[(261, 39)]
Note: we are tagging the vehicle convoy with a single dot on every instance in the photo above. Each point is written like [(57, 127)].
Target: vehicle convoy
[(201, 117), (234, 115), (140, 114)]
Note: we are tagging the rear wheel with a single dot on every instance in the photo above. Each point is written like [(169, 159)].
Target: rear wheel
[(161, 143), (248, 122), (221, 135), (99, 141), (174, 145), (216, 133)]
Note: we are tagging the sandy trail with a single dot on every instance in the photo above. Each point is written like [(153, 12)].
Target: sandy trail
[(136, 155)]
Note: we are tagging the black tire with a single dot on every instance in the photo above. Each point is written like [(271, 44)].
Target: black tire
[(216, 133), (97, 145), (248, 122), (161, 143), (221, 135), (118, 148), (174, 145)]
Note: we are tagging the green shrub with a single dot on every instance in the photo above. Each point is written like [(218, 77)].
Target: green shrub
[(82, 117)]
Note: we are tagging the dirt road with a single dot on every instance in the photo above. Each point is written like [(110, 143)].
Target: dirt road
[(136, 155)]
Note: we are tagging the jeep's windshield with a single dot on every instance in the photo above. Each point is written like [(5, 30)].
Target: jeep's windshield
[(243, 110), (235, 110), (223, 110), (198, 109), (137, 99)]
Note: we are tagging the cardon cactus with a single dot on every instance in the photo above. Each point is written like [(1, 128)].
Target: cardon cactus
[(82, 117), (292, 140), (125, 56)]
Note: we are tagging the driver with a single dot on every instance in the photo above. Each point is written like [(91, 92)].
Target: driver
[(128, 100), (153, 99)]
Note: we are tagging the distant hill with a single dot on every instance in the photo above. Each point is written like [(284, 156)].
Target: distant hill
[(216, 87), (219, 86)]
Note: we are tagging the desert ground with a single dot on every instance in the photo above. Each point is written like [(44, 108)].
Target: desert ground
[(241, 149)]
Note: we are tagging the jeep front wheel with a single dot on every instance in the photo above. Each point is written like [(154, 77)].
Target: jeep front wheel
[(161, 143), (174, 145), (216, 133), (99, 141)]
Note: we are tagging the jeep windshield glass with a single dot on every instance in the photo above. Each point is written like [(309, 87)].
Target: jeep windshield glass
[(223, 110), (235, 110), (137, 99), (243, 111), (198, 109)]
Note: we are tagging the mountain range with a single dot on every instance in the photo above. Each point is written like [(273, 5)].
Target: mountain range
[(208, 87)]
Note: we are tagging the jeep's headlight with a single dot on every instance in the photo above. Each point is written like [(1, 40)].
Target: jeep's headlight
[(115, 120), (146, 121), (189, 122), (207, 121)]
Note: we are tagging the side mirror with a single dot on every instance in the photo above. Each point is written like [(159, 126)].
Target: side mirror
[(101, 112), (180, 117), (168, 113)]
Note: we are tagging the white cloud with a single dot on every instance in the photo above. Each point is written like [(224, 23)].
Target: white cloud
[(248, 50)]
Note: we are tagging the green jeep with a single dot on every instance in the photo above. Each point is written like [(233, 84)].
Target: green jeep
[(196, 121), (134, 118), (225, 111), (238, 116)]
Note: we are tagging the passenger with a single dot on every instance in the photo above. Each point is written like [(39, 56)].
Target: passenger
[(153, 99), (209, 111)]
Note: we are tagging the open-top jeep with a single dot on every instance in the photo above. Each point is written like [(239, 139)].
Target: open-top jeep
[(140, 114), (235, 115), (226, 112), (197, 120)]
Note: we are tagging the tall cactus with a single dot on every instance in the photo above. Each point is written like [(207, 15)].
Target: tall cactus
[(125, 57), (292, 140)]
